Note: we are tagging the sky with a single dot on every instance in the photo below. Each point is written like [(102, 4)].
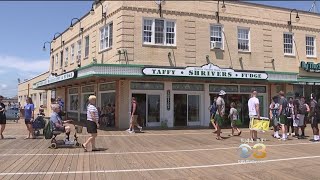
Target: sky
[(26, 25)]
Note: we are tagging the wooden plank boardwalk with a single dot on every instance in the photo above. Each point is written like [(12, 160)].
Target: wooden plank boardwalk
[(156, 154)]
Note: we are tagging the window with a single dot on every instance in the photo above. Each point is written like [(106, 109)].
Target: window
[(61, 58), (106, 33), (288, 43), (244, 39), (310, 46), (159, 32), (86, 49), (52, 63), (215, 35), (79, 51), (72, 54), (66, 56), (57, 58)]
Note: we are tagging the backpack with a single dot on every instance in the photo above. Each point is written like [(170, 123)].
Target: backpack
[(47, 131), (213, 108), (302, 108)]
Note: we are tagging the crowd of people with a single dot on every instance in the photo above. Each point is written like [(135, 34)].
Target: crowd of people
[(286, 114)]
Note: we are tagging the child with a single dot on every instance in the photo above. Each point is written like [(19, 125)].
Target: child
[(233, 115)]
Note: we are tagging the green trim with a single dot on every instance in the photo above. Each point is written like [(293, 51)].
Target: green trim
[(284, 81), (309, 79), (287, 73), (108, 75), (108, 65)]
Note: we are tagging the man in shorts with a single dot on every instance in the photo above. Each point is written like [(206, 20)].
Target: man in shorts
[(57, 123), (134, 116), (282, 115), (314, 117), (301, 109), (218, 118), (253, 106)]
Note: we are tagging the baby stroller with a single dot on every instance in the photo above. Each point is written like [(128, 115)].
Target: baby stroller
[(38, 124)]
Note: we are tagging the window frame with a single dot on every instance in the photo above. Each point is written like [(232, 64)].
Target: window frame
[(249, 39), (86, 49), (314, 46), (164, 32), (110, 37), (72, 48), (57, 59), (79, 50), (66, 56), (293, 44), (222, 35)]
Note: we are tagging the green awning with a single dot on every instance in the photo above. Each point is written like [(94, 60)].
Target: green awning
[(308, 81)]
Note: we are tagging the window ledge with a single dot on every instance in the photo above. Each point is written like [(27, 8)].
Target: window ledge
[(160, 46), (85, 58), (71, 64), (244, 52), (104, 50), (213, 49), (289, 55), (312, 57)]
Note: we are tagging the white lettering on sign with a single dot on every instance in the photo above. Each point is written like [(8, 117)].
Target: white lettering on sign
[(54, 79), (209, 70)]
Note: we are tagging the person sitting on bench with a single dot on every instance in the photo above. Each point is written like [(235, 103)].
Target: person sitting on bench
[(57, 123)]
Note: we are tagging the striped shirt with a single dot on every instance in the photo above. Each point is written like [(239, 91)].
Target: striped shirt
[(91, 108)]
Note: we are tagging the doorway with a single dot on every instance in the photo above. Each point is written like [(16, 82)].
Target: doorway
[(186, 109), (149, 108)]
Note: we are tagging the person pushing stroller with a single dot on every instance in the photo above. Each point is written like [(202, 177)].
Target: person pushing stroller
[(57, 123)]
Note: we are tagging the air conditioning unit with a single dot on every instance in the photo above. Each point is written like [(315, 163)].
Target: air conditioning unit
[(216, 45)]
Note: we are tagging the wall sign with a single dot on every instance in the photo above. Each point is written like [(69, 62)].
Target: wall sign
[(168, 99), (53, 79), (208, 70), (310, 66), (226, 88)]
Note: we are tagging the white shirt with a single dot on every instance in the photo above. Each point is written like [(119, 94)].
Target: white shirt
[(92, 108), (252, 106), (220, 102)]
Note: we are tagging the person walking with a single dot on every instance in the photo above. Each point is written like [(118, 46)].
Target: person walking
[(134, 116), (213, 109), (274, 116), (283, 115), (92, 123), (218, 118), (233, 116), (254, 111), (314, 117), (29, 117), (290, 117), (302, 108), (3, 118)]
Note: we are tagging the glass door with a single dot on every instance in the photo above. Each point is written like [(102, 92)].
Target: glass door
[(193, 110), (153, 110), (186, 110)]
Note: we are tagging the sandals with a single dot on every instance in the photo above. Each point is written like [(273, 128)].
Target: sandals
[(84, 148)]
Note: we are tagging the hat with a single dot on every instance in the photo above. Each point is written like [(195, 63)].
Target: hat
[(222, 93)]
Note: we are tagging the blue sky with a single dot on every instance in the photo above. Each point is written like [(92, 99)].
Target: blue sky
[(25, 26)]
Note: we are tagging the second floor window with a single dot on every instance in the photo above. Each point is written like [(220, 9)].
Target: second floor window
[(158, 31), (86, 49), (66, 55), (244, 39), (61, 58), (72, 54), (106, 34), (216, 36), (288, 44), (310, 46), (79, 51), (57, 59), (52, 63)]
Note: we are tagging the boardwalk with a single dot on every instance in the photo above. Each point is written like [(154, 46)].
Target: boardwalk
[(156, 154)]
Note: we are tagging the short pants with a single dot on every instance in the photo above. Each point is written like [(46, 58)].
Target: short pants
[(283, 120), (314, 122), (218, 119), (299, 121)]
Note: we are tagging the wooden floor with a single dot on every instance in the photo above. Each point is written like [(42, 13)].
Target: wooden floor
[(156, 154)]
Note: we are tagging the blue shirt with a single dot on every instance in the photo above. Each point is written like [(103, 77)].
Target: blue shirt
[(28, 108), (55, 118)]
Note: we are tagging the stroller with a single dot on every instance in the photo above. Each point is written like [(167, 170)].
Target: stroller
[(38, 124)]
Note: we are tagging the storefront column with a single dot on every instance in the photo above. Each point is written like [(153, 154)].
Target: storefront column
[(168, 113), (124, 100), (206, 101)]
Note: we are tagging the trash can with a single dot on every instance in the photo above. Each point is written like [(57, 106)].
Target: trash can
[(79, 129)]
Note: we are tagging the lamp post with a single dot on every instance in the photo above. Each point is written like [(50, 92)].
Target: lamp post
[(104, 14), (71, 24), (297, 17), (44, 46), (223, 9), (54, 38)]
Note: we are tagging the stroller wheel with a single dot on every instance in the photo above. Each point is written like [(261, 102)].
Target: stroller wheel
[(78, 144), (53, 146)]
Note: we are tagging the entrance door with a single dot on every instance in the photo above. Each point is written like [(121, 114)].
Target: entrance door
[(149, 108), (186, 110)]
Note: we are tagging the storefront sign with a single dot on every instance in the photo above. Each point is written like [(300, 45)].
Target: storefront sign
[(168, 100), (209, 71), (310, 66), (53, 79)]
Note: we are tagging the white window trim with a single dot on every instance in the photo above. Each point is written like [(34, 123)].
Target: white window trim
[(293, 45), (315, 46), (72, 57), (222, 35), (249, 38), (85, 44), (109, 47), (66, 56), (79, 50), (165, 32)]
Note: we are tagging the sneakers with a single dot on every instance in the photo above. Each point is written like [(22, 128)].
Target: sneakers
[(278, 137), (140, 128), (283, 139), (313, 140), (128, 130), (131, 132)]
